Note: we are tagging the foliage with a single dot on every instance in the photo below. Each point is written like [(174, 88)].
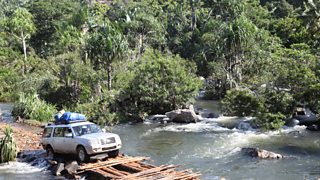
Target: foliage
[(270, 121), (100, 111), (8, 147), (73, 81), (105, 45), (73, 52), (312, 96), (48, 15), (278, 101), (241, 103), (30, 106), (159, 84)]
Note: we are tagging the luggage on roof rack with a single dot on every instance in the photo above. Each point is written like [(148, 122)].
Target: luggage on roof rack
[(69, 122), (69, 117)]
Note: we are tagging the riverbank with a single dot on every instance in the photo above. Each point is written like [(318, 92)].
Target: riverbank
[(27, 137)]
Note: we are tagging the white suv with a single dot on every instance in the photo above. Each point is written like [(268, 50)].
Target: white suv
[(81, 138)]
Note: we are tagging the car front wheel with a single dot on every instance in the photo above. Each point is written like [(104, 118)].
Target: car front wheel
[(50, 152), (113, 153), (82, 154)]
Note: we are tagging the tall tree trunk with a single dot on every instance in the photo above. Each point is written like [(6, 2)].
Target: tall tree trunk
[(109, 68), (140, 46), (237, 68), (193, 16), (24, 52)]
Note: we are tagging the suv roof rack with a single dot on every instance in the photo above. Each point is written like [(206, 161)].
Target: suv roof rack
[(68, 122)]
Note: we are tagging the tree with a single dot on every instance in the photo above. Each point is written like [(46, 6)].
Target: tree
[(104, 45), (48, 16), (157, 84), (230, 42), (144, 27), (22, 27)]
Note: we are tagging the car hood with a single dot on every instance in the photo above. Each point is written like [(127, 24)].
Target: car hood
[(98, 135)]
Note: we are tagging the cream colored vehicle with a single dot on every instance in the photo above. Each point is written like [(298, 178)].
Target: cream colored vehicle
[(84, 139)]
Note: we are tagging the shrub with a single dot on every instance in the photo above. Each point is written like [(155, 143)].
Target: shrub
[(30, 106), (312, 96), (241, 103), (270, 121), (8, 147), (278, 101), (159, 83), (100, 111)]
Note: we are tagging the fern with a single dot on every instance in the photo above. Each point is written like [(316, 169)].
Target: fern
[(8, 147)]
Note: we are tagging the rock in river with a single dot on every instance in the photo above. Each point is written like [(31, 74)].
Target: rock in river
[(183, 115), (261, 153)]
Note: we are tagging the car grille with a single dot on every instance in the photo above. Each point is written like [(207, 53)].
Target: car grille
[(108, 148), (107, 141)]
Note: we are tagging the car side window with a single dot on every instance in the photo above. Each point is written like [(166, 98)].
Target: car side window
[(67, 131), (47, 132), (58, 132)]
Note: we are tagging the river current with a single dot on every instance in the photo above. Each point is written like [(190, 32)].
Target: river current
[(213, 148)]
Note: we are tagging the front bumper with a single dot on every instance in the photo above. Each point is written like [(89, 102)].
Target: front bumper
[(102, 149)]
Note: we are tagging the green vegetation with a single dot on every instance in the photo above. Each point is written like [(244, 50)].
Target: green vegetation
[(241, 103), (126, 59), (31, 107), (157, 84), (8, 147)]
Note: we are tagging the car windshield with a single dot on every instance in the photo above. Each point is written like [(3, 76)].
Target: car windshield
[(86, 129)]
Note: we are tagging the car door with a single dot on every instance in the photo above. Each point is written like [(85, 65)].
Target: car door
[(58, 140), (46, 136), (64, 141), (68, 141)]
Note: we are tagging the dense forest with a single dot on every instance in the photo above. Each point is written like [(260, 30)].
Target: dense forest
[(120, 60)]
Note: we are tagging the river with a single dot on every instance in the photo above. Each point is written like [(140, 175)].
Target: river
[(19, 170), (212, 147)]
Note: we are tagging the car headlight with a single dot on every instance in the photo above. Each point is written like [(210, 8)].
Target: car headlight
[(93, 142)]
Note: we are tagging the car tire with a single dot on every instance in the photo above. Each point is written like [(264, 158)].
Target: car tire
[(50, 152), (113, 153), (82, 154)]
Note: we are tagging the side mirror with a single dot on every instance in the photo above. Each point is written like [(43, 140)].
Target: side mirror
[(68, 135)]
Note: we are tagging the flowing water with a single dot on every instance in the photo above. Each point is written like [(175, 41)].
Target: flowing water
[(19, 170), (212, 147)]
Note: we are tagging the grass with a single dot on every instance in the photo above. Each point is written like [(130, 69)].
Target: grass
[(8, 147)]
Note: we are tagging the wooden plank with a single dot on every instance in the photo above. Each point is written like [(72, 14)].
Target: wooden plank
[(131, 168), (147, 172), (105, 174), (111, 171), (110, 163)]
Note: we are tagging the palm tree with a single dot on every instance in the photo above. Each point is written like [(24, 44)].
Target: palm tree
[(106, 44)]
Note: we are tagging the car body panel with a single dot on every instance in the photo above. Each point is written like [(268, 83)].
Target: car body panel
[(94, 143)]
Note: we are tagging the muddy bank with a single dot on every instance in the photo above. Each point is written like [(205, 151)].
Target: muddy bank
[(27, 137)]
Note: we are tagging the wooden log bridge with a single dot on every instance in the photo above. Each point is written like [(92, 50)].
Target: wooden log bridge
[(133, 168)]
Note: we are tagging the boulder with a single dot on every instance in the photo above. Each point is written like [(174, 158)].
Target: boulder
[(160, 118), (261, 153), (212, 115), (183, 115), (313, 127), (71, 167), (58, 169)]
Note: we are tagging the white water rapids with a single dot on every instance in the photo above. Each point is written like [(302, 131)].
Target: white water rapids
[(213, 147)]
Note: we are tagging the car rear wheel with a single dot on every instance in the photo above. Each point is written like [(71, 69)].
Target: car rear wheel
[(82, 154), (113, 153), (50, 152)]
